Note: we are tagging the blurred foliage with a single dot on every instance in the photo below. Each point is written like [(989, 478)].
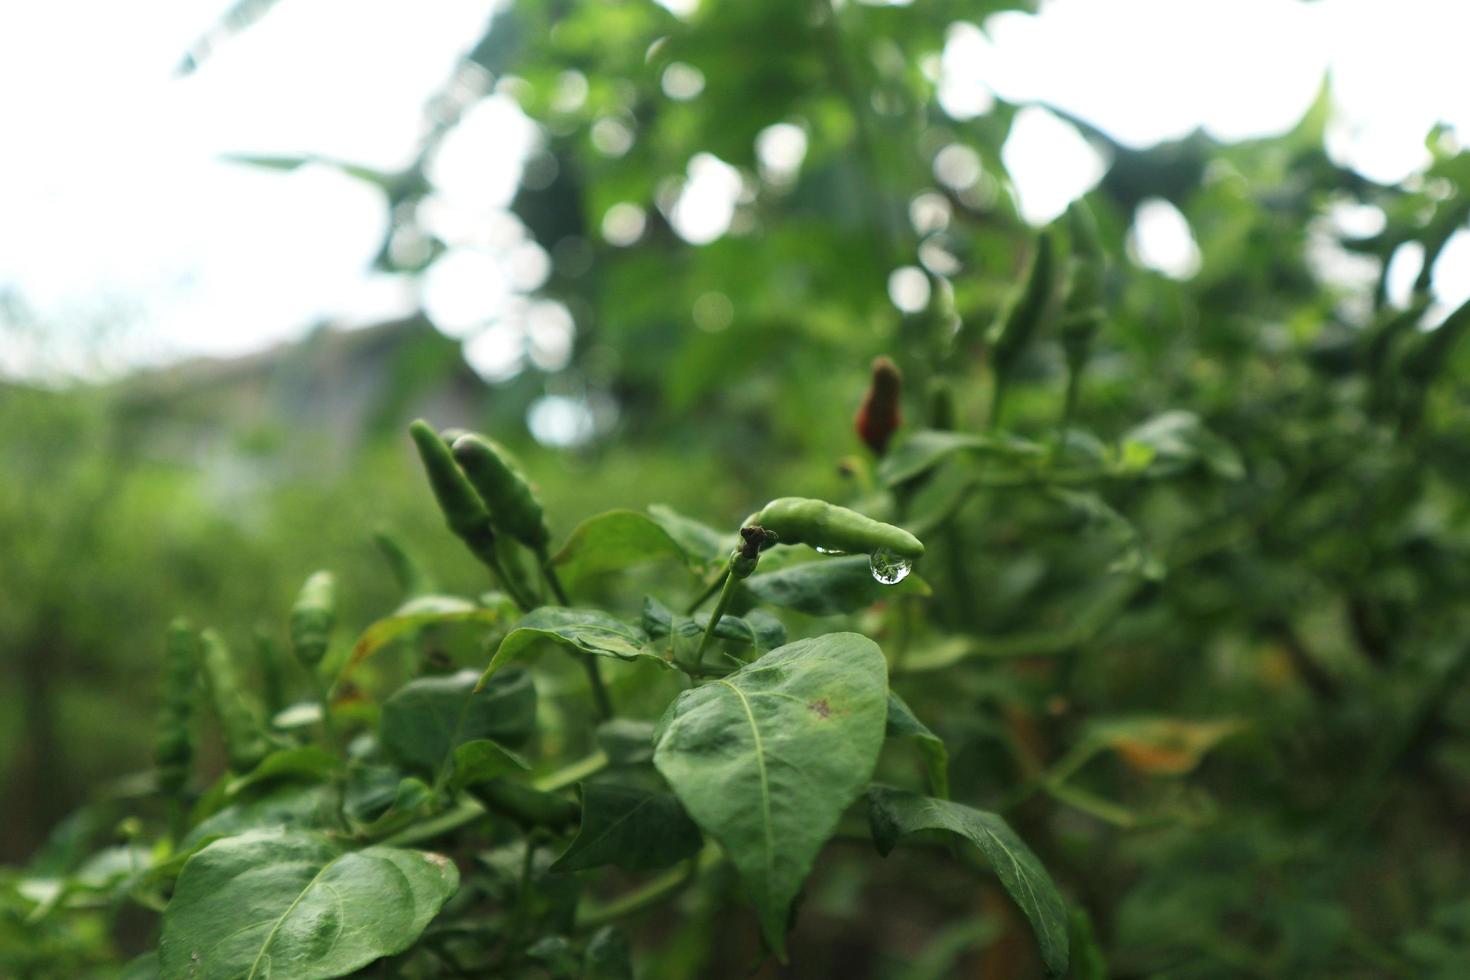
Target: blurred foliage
[(1211, 665)]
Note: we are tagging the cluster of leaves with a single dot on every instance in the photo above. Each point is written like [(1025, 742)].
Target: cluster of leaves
[(296, 860)]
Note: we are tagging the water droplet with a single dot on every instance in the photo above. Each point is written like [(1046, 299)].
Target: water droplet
[(829, 551), (889, 568)]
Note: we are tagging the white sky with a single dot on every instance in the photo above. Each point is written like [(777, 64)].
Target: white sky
[(116, 204)]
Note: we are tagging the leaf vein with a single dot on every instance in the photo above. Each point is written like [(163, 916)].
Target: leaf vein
[(760, 762)]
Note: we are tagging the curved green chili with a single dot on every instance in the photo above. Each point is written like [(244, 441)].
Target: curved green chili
[(464, 511), (245, 740), (511, 499), (1023, 317), (407, 572), (801, 520), (173, 747), (312, 618)]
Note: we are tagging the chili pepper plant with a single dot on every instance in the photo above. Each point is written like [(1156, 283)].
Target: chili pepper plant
[(597, 758)]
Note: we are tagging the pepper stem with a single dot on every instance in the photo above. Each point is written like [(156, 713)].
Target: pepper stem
[(726, 594), (589, 664), (753, 540)]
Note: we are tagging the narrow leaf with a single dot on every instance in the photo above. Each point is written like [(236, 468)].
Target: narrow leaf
[(927, 448), (903, 723), (414, 615), (896, 813), (699, 541), (615, 540), (304, 761), (582, 630), (483, 760)]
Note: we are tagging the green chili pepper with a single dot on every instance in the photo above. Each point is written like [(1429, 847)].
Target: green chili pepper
[(1024, 315), (312, 618), (464, 511), (525, 805), (272, 679), (245, 739), (173, 750), (942, 412), (495, 475), (407, 572), (800, 520), (1082, 312)]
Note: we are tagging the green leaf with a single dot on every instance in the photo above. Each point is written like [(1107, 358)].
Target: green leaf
[(927, 448), (615, 540), (1087, 958), (556, 956), (758, 628), (291, 904), (1177, 440), (414, 615), (483, 760), (582, 630), (829, 586), (141, 967), (699, 541), (903, 723), (896, 813), (426, 720), (626, 742), (1153, 746), (308, 761), (306, 806), (608, 956), (365, 174), (766, 759), (635, 829)]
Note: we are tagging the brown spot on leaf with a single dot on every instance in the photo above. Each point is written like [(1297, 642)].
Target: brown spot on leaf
[(821, 708)]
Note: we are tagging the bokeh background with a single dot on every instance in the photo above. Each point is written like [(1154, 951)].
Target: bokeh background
[(244, 243)]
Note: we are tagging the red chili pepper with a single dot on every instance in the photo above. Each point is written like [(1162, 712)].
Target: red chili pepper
[(881, 413)]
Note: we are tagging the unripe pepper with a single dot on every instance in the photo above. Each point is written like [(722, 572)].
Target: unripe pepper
[(801, 520), (407, 572), (244, 737), (173, 750), (1082, 312), (464, 511), (753, 540), (1023, 317), (312, 618), (881, 412), (514, 507), (942, 413)]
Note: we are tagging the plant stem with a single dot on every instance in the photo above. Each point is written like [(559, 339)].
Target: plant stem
[(659, 890), (552, 579), (997, 402), (726, 594), (323, 691), (710, 590), (574, 772), (522, 909), (470, 810), (599, 690), (1069, 403), (492, 562), (589, 664)]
